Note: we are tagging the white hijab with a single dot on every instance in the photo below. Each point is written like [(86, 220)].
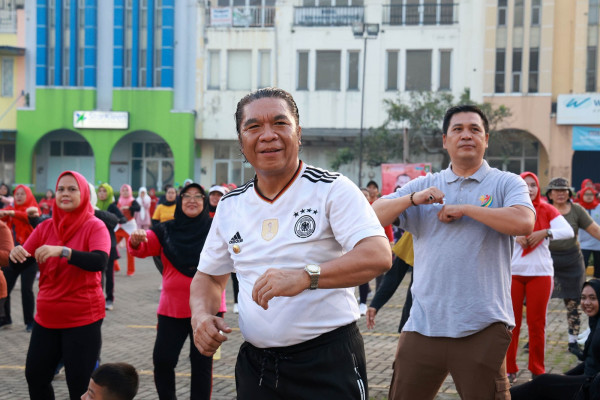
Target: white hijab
[(143, 202)]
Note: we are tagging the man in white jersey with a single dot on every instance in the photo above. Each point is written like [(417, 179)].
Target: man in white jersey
[(300, 239), (463, 220)]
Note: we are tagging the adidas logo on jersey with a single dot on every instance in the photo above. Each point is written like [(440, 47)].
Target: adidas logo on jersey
[(236, 238)]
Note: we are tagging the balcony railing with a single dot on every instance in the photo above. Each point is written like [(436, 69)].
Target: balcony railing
[(242, 16), (420, 14), (328, 16), (8, 21)]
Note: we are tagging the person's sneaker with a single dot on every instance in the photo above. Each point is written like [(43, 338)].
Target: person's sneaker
[(235, 308), (109, 305), (576, 350), (362, 308), (5, 324), (526, 347), (29, 327)]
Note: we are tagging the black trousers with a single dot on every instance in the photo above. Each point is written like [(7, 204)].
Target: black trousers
[(27, 298), (110, 280), (236, 286), (549, 387), (331, 366), (78, 347), (170, 336)]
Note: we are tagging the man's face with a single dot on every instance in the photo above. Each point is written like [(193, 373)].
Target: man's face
[(270, 137), (372, 190), (466, 139), (94, 392)]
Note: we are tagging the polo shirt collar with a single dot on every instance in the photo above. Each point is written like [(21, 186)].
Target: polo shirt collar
[(450, 176)]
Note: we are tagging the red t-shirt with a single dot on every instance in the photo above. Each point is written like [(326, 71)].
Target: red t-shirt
[(69, 296), (175, 295)]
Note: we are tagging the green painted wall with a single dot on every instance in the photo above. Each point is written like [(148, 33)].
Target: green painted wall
[(149, 110)]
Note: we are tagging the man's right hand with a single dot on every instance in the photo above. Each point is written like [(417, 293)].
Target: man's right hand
[(429, 196), (208, 333)]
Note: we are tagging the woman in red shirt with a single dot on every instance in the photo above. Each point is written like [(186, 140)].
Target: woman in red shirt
[(47, 202), (17, 220), (178, 242), (71, 249)]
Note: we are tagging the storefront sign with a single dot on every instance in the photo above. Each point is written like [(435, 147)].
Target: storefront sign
[(577, 109), (220, 16), (100, 119), (586, 138)]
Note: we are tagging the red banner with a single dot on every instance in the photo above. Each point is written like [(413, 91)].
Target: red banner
[(394, 176)]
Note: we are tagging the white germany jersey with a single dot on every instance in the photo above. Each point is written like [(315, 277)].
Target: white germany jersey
[(317, 217)]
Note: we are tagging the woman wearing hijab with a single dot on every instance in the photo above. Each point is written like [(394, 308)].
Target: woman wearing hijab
[(166, 208), (590, 246), (577, 381), (569, 271), (18, 221), (153, 201), (142, 217), (71, 249), (128, 206), (6, 245), (178, 242), (47, 202), (106, 202), (532, 273)]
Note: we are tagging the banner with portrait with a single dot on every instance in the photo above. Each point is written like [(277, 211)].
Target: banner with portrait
[(394, 176)]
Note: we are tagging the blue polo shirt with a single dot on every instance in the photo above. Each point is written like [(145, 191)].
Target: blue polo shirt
[(462, 272)]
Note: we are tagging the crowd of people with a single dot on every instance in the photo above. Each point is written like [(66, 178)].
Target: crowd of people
[(296, 241)]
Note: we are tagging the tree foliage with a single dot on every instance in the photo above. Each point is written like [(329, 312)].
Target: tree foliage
[(422, 115)]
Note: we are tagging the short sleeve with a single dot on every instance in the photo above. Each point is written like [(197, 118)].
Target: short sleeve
[(215, 258), (584, 219), (351, 217), (98, 237)]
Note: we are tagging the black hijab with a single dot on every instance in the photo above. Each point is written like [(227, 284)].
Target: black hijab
[(182, 238), (591, 349)]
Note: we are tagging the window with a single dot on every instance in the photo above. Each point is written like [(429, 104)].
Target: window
[(239, 69), (536, 9), (392, 70), (158, 44), (143, 44), (517, 62), (502, 9), (66, 44), (229, 165), (7, 162), (328, 70), (302, 70), (500, 70), (534, 62), (518, 13), (264, 68), (518, 153), (70, 148), (353, 70), (7, 77), (590, 70), (152, 165), (127, 81), (445, 59), (418, 70), (214, 62), (51, 42), (593, 12)]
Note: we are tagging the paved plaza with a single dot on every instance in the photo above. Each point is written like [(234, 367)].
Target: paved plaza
[(129, 332)]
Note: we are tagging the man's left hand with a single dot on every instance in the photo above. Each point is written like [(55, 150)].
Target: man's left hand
[(279, 282), (451, 213)]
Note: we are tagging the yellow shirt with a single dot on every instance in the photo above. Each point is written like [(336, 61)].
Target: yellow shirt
[(164, 213), (404, 248)]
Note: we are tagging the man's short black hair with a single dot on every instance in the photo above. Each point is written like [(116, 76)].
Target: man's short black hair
[(373, 183), (464, 108), (268, 92), (119, 381)]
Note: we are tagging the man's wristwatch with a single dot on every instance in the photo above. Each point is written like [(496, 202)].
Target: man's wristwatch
[(313, 271), (64, 253)]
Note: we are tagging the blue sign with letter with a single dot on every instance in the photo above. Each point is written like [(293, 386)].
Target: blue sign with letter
[(586, 138)]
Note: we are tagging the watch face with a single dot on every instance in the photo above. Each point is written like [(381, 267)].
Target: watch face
[(313, 269)]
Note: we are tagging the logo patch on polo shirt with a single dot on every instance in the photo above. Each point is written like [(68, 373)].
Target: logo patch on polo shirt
[(236, 238), (305, 225), (486, 200), (269, 228)]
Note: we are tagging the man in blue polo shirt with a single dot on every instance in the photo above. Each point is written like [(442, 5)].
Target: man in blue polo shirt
[(463, 220)]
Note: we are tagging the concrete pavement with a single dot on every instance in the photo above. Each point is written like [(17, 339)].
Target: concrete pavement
[(129, 332)]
